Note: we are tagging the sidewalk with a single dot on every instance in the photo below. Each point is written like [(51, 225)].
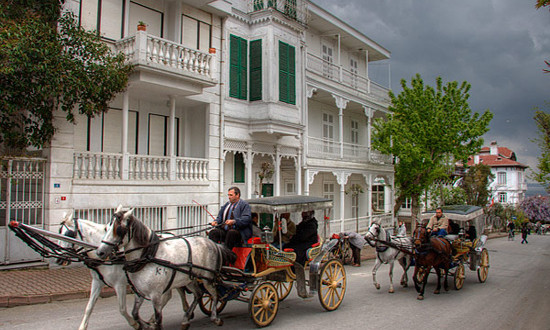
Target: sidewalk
[(43, 285)]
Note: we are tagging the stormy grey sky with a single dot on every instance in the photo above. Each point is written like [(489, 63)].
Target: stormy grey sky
[(498, 46)]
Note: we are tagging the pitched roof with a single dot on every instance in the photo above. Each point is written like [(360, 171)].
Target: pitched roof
[(496, 161), (502, 151)]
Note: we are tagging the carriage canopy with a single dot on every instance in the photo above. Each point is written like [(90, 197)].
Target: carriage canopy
[(289, 204), (461, 214)]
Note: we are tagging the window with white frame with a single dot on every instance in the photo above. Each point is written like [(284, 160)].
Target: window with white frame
[(328, 132), (407, 203), (327, 60), (289, 188), (103, 16), (328, 190), (502, 197), (378, 198), (151, 14), (520, 178), (354, 131), (196, 31), (354, 71), (354, 206), (501, 178)]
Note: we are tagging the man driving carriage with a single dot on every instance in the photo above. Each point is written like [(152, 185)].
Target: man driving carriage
[(235, 220), (438, 223)]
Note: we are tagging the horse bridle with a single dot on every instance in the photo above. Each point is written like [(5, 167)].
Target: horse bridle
[(120, 233), (375, 237)]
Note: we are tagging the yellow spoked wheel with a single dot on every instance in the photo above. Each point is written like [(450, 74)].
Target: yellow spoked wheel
[(483, 270), (332, 285), (264, 304), (206, 302), (283, 288), (459, 277)]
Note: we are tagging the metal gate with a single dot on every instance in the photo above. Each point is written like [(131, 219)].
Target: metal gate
[(21, 199)]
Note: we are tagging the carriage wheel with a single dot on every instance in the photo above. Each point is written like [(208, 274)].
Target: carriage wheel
[(283, 288), (483, 270), (347, 254), (206, 302), (264, 304), (332, 284), (459, 277)]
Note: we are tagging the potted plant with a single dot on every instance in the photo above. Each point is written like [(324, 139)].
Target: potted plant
[(142, 26)]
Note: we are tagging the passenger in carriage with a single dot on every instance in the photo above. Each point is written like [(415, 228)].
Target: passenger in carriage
[(438, 223), (471, 233), (290, 230), (256, 230), (306, 236), (454, 228), (235, 220)]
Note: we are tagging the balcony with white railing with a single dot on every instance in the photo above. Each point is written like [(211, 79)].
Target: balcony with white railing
[(161, 54), (336, 73), (106, 166), (291, 9), (331, 149)]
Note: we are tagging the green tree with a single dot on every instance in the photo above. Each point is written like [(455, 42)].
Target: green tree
[(428, 127), (542, 173), (476, 184), (48, 62), (542, 3)]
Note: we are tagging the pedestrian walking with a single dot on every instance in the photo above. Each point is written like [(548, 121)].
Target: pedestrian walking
[(524, 233)]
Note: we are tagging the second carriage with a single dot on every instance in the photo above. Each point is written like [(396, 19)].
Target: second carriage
[(469, 252)]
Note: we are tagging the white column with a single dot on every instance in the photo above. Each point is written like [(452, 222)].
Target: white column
[(369, 198), (124, 142), (298, 165), (248, 157), (342, 205), (341, 129), (172, 138), (277, 179), (368, 113), (306, 185)]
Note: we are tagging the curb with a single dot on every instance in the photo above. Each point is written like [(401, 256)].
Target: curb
[(12, 301)]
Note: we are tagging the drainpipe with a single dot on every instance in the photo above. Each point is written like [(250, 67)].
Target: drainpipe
[(222, 122)]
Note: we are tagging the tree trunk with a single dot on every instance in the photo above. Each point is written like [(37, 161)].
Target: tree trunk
[(415, 208)]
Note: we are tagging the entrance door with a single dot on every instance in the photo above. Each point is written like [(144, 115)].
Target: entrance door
[(22, 200), (266, 219)]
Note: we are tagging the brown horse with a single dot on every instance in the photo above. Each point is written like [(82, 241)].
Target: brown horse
[(430, 252)]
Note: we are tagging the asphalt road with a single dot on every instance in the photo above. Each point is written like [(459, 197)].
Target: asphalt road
[(515, 296)]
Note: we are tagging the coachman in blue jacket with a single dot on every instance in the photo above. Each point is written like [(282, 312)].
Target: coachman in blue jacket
[(233, 226)]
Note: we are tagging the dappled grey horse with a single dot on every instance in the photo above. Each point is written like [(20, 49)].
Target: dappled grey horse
[(155, 266), (388, 249)]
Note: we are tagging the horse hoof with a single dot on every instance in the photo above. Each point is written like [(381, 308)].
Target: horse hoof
[(391, 291), (185, 326), (377, 286), (405, 285), (218, 322), (420, 297), (436, 292), (191, 316)]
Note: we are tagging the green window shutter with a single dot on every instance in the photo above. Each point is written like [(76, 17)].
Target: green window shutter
[(256, 70), (238, 166), (237, 67), (287, 73), (243, 75)]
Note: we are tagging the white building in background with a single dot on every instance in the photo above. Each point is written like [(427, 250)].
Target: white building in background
[(219, 90), (508, 186)]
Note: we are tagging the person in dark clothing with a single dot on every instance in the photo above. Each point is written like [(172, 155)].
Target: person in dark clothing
[(471, 233), (524, 233), (235, 220), (454, 228), (306, 235)]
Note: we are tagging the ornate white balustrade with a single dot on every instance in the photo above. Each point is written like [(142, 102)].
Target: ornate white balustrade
[(347, 78), (92, 165), (330, 149), (148, 49), (104, 166)]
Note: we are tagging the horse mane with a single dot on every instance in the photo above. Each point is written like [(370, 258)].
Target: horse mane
[(139, 230)]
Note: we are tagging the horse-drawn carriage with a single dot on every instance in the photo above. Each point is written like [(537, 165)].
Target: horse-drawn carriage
[(469, 251), (154, 264)]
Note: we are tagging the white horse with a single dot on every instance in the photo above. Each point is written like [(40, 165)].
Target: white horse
[(388, 249), (111, 275), (102, 274), (150, 264)]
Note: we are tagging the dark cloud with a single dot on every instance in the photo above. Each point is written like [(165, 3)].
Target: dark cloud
[(498, 46)]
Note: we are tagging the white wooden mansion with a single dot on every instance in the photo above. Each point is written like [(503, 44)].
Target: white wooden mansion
[(508, 186), (220, 90)]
